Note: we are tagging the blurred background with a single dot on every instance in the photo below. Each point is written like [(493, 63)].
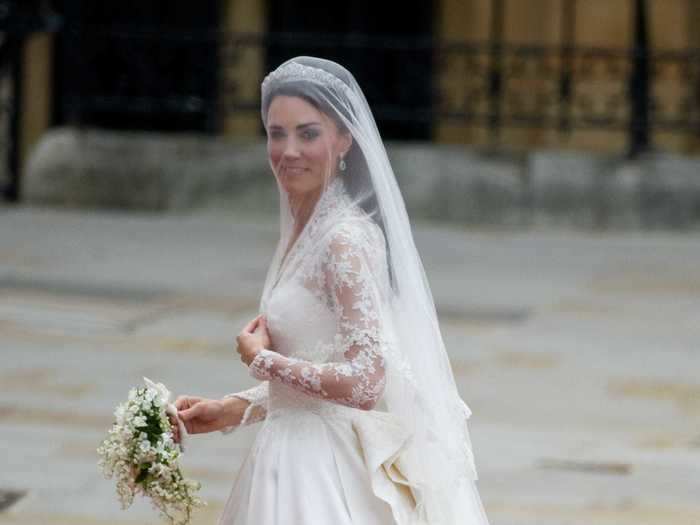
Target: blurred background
[(549, 155), (583, 112)]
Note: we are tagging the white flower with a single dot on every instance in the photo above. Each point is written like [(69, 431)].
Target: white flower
[(163, 393), (126, 454)]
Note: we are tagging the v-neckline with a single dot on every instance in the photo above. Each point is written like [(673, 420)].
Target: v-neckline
[(321, 205), (288, 253)]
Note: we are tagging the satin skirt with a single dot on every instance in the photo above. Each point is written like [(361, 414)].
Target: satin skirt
[(321, 467)]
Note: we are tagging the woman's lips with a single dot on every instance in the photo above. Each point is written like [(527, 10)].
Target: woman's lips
[(294, 170)]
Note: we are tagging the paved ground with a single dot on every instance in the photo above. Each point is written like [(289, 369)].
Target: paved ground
[(578, 354)]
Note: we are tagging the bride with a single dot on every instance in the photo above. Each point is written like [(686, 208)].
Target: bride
[(361, 418)]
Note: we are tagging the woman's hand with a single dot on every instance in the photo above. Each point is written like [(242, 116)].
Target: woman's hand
[(253, 338), (198, 414)]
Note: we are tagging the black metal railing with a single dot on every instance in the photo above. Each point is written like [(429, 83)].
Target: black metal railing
[(139, 78), (497, 85), (167, 78)]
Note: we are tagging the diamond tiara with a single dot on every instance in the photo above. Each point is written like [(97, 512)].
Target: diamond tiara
[(297, 71)]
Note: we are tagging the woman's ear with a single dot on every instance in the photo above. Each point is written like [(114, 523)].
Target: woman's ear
[(344, 143)]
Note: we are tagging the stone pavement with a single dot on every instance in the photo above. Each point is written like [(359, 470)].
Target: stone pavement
[(578, 354)]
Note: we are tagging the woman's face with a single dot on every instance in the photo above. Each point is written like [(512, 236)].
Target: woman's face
[(303, 145)]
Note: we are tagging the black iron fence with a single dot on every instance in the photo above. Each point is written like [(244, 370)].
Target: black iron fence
[(10, 87), (170, 78), (491, 85), (139, 78)]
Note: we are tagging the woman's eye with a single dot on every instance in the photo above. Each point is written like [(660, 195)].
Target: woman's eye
[(276, 134), (309, 134)]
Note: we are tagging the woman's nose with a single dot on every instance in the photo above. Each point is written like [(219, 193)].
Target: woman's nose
[(291, 149)]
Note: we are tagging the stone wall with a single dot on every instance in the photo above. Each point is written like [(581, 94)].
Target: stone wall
[(94, 168)]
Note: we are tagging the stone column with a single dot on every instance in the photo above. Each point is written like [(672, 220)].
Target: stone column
[(692, 23), (459, 20), (35, 113), (671, 23), (246, 68)]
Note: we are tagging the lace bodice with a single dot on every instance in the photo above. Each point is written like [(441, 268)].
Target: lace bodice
[(326, 317)]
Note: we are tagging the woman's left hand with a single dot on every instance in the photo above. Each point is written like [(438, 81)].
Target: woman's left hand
[(253, 338)]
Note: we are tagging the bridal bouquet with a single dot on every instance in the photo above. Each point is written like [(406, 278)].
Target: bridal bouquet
[(140, 453)]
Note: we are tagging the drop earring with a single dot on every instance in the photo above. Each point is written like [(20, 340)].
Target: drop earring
[(342, 164)]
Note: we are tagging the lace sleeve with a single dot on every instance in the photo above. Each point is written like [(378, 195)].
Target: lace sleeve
[(352, 267), (256, 410)]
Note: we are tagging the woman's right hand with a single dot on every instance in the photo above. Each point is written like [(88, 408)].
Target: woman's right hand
[(199, 415)]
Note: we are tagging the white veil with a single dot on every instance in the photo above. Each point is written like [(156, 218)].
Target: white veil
[(420, 389)]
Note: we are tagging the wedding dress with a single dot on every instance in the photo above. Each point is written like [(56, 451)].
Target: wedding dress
[(322, 456), (361, 420)]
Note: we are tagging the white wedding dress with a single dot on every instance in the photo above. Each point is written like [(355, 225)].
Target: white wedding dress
[(362, 421), (326, 452)]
